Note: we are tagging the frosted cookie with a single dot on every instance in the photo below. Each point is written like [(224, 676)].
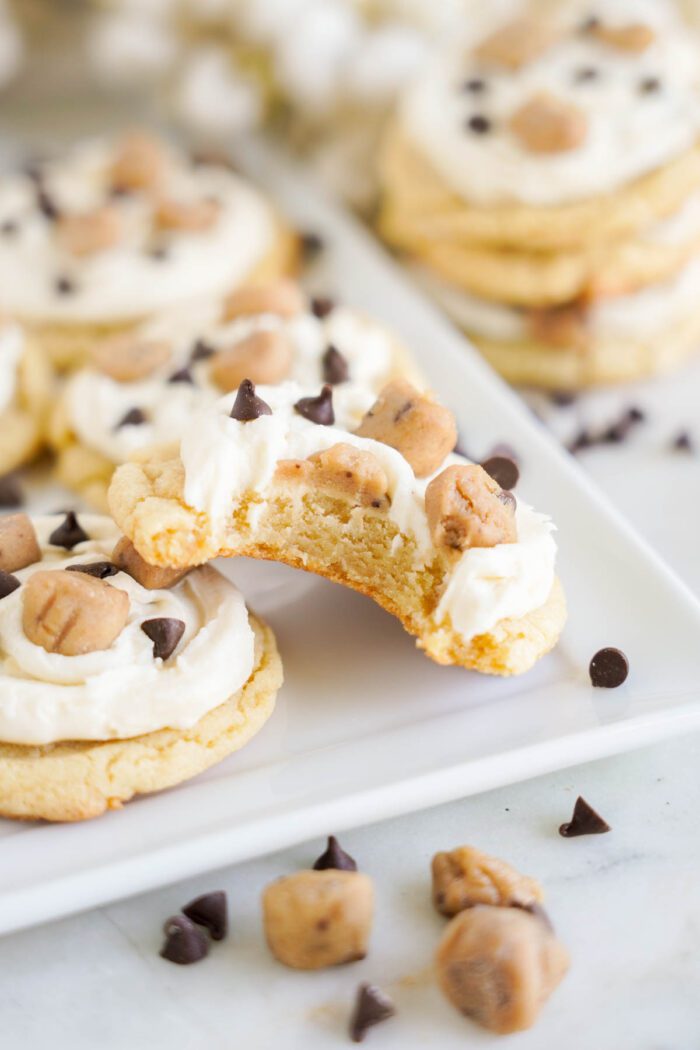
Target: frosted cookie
[(117, 678), (142, 387), (94, 242), (387, 509), (25, 392)]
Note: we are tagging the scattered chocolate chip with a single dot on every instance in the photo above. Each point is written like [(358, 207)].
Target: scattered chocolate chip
[(683, 442), (589, 24), (335, 367), (584, 821), (46, 204), (371, 1007), (212, 158), (534, 909), (318, 409), (184, 943), (9, 227), (636, 414), (64, 286), (117, 192), (158, 252), (133, 418), (165, 632), (210, 910), (201, 351), (474, 85), (99, 569), (248, 406), (8, 583), (183, 375), (608, 668), (11, 494), (582, 440), (479, 124), (585, 74), (649, 85), (562, 398), (616, 433), (69, 533), (312, 244), (503, 470), (322, 306), (334, 857), (34, 170)]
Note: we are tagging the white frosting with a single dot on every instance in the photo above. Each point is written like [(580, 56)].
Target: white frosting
[(224, 459), (11, 347), (96, 403), (629, 132), (122, 691), (125, 282)]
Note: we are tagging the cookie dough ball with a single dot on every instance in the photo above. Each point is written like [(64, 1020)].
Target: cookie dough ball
[(499, 965), (403, 417), (465, 877), (319, 918)]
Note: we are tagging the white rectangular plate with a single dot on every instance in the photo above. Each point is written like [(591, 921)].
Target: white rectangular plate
[(367, 727)]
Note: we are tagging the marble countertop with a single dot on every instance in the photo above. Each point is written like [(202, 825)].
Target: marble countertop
[(626, 904)]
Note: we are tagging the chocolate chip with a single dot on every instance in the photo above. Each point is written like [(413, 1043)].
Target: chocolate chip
[(210, 911), (64, 286), (322, 306), (184, 943), (636, 414), (201, 351), (318, 409), (99, 569), (9, 227), (371, 1007), (117, 192), (562, 398), (11, 494), (589, 24), (335, 367), (133, 418), (585, 74), (69, 533), (183, 375), (479, 124), (8, 583), (312, 244), (248, 406), (649, 85), (212, 158), (474, 85), (683, 442), (584, 821), (608, 668), (582, 440), (165, 632), (335, 857), (503, 470), (158, 252), (34, 169), (46, 204)]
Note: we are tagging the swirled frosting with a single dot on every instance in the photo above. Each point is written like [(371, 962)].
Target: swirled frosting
[(122, 691), (142, 272), (642, 109), (224, 458)]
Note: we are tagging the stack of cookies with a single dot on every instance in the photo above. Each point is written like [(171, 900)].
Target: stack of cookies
[(545, 180)]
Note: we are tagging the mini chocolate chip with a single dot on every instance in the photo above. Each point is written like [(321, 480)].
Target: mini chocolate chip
[(8, 583), (165, 632), (9, 227), (335, 367), (312, 244), (183, 375), (608, 668), (118, 192), (371, 1007), (158, 252), (133, 418), (99, 569), (201, 351), (322, 306), (212, 158), (503, 470), (582, 440), (184, 943), (585, 821), (562, 398), (34, 170), (636, 414), (589, 24), (248, 406), (334, 857), (479, 124), (46, 204), (616, 433), (534, 909), (210, 911), (585, 74), (69, 533), (11, 494), (318, 409), (64, 286), (683, 442), (474, 85), (649, 85)]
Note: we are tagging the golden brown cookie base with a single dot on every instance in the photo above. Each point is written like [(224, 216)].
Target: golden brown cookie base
[(76, 781), (23, 424), (312, 530)]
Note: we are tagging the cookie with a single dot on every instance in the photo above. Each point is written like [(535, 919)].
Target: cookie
[(264, 475), (92, 252), (140, 388), (25, 393), (110, 688)]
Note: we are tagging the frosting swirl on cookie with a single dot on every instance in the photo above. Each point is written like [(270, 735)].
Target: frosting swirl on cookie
[(148, 262), (122, 691), (11, 347), (640, 108)]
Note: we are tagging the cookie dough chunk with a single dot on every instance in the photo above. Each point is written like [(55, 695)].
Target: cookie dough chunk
[(423, 431), (316, 919), (186, 215), (88, 233), (499, 966), (635, 37), (18, 543), (140, 163), (263, 357), (283, 298), (341, 470), (517, 43), (467, 508), (72, 613), (152, 577), (126, 358), (546, 124), (465, 877)]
